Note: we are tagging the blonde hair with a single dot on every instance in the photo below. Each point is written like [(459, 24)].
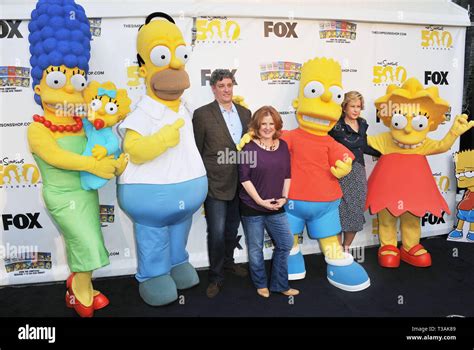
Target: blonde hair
[(352, 96)]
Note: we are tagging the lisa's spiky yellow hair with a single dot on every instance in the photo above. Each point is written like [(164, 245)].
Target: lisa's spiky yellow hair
[(411, 96)]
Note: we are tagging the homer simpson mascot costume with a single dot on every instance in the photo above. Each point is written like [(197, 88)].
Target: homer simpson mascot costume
[(317, 162), (60, 52), (165, 180), (401, 185)]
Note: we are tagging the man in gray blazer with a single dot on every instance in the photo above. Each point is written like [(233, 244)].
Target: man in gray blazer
[(218, 127)]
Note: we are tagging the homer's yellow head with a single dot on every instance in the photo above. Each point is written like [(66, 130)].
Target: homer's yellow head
[(162, 54), (318, 106), (411, 112), (60, 89), (464, 161), (107, 105)]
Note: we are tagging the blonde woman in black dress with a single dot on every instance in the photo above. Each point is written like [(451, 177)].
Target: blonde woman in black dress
[(351, 131)]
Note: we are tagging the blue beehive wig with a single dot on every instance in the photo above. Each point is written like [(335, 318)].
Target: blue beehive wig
[(59, 35)]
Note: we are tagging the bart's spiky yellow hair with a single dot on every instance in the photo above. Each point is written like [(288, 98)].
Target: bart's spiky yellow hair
[(412, 96), (464, 158), (326, 67)]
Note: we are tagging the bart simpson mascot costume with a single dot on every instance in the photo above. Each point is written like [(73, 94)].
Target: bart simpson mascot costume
[(165, 181), (464, 161), (401, 184), (60, 51), (317, 162)]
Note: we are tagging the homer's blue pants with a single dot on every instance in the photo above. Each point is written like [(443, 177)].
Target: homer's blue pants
[(162, 217)]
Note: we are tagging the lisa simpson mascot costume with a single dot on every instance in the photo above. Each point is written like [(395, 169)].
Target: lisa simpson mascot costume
[(60, 51), (165, 180), (401, 184)]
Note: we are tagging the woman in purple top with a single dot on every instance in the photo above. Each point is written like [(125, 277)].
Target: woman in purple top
[(266, 182)]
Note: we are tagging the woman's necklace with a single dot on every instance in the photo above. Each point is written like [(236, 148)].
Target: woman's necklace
[(265, 147)]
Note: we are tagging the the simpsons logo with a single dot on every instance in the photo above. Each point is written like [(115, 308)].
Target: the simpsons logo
[(386, 73), (218, 30), (17, 173), (436, 38)]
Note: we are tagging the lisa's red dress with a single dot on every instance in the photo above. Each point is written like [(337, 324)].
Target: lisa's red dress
[(404, 182)]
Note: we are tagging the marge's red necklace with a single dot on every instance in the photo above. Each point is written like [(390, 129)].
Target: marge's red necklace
[(60, 128)]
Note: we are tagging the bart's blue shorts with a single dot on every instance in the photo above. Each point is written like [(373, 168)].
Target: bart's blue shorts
[(321, 218), (466, 215)]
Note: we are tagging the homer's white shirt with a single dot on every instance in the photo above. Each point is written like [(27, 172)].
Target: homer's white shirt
[(177, 164)]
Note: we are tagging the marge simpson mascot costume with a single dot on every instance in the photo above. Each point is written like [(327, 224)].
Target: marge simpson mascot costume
[(401, 184), (60, 51), (465, 175), (317, 162), (165, 180)]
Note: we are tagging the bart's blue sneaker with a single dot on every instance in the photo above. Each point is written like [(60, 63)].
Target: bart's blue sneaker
[(470, 236), (346, 274), (455, 234), (296, 268)]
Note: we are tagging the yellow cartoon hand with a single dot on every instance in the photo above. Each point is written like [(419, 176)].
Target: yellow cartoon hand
[(244, 140), (104, 168), (461, 124), (342, 168), (240, 101), (169, 134), (99, 152), (122, 162)]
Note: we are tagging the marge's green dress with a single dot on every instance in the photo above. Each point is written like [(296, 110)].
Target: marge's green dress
[(74, 210)]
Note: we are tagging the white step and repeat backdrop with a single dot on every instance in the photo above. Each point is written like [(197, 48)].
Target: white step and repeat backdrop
[(266, 56)]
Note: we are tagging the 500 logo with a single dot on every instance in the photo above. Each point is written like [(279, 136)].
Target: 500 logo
[(386, 73), (436, 38), (134, 79), (16, 173), (217, 30)]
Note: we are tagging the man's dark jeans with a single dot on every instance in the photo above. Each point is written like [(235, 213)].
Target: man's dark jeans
[(223, 220)]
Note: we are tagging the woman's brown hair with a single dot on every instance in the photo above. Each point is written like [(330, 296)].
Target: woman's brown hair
[(258, 116)]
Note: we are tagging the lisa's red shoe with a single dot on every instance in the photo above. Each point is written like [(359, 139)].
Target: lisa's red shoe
[(389, 260), (422, 260)]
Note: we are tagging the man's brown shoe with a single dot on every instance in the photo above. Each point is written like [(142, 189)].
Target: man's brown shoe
[(213, 289), (237, 270)]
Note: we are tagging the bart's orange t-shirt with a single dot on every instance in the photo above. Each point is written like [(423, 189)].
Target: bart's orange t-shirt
[(467, 202), (312, 157)]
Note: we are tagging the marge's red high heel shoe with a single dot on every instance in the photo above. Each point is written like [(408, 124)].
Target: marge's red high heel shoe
[(73, 302), (100, 300)]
